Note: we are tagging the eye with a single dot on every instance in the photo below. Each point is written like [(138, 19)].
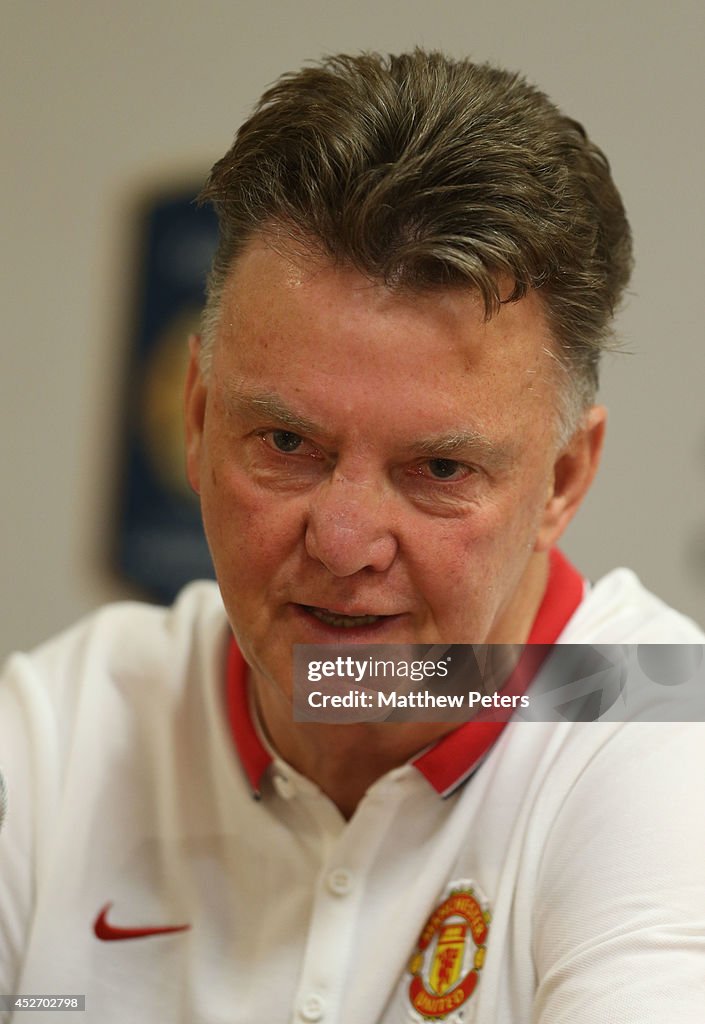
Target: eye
[(285, 441), (445, 469)]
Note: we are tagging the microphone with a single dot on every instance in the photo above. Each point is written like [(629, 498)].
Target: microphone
[(3, 800)]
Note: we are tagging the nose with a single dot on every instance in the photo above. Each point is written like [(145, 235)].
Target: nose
[(349, 527)]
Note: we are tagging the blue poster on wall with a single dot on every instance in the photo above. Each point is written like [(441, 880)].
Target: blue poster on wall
[(161, 545)]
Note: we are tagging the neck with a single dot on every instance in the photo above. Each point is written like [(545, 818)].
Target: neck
[(345, 760)]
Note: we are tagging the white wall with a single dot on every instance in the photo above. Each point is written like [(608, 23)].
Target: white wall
[(101, 98)]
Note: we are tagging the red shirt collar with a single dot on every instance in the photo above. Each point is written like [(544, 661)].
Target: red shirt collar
[(451, 760)]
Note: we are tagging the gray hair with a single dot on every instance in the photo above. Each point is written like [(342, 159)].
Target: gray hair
[(425, 172)]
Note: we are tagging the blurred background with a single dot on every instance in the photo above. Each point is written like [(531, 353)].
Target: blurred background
[(112, 116)]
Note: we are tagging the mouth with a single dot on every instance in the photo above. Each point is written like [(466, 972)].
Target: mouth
[(340, 621)]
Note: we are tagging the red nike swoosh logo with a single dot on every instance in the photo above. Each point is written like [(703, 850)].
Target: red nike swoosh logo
[(111, 933)]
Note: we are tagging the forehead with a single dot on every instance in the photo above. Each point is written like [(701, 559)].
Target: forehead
[(273, 271), (291, 320)]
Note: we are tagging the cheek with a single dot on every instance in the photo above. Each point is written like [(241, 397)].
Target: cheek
[(451, 558), (248, 529), (474, 554)]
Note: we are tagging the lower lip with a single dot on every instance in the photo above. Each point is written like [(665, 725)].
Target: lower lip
[(322, 632)]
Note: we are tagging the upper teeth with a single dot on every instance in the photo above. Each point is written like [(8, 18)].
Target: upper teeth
[(344, 621)]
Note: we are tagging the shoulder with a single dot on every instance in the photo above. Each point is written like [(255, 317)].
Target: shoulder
[(619, 609), (123, 645)]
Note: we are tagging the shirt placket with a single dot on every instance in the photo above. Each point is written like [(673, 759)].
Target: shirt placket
[(339, 899)]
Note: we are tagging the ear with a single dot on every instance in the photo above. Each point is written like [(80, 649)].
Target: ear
[(573, 472), (195, 397)]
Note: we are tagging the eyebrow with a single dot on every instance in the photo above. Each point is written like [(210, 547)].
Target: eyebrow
[(466, 442), (265, 403), (452, 445)]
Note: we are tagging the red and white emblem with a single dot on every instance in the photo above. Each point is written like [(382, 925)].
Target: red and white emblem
[(450, 952)]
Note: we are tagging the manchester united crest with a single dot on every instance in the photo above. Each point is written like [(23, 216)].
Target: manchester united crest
[(450, 952)]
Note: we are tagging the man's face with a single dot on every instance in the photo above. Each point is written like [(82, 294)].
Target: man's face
[(373, 466)]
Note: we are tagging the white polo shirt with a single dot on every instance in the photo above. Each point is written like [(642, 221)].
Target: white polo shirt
[(157, 859)]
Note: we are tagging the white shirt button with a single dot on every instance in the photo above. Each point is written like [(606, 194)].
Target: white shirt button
[(284, 786), (340, 881), (312, 1008)]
